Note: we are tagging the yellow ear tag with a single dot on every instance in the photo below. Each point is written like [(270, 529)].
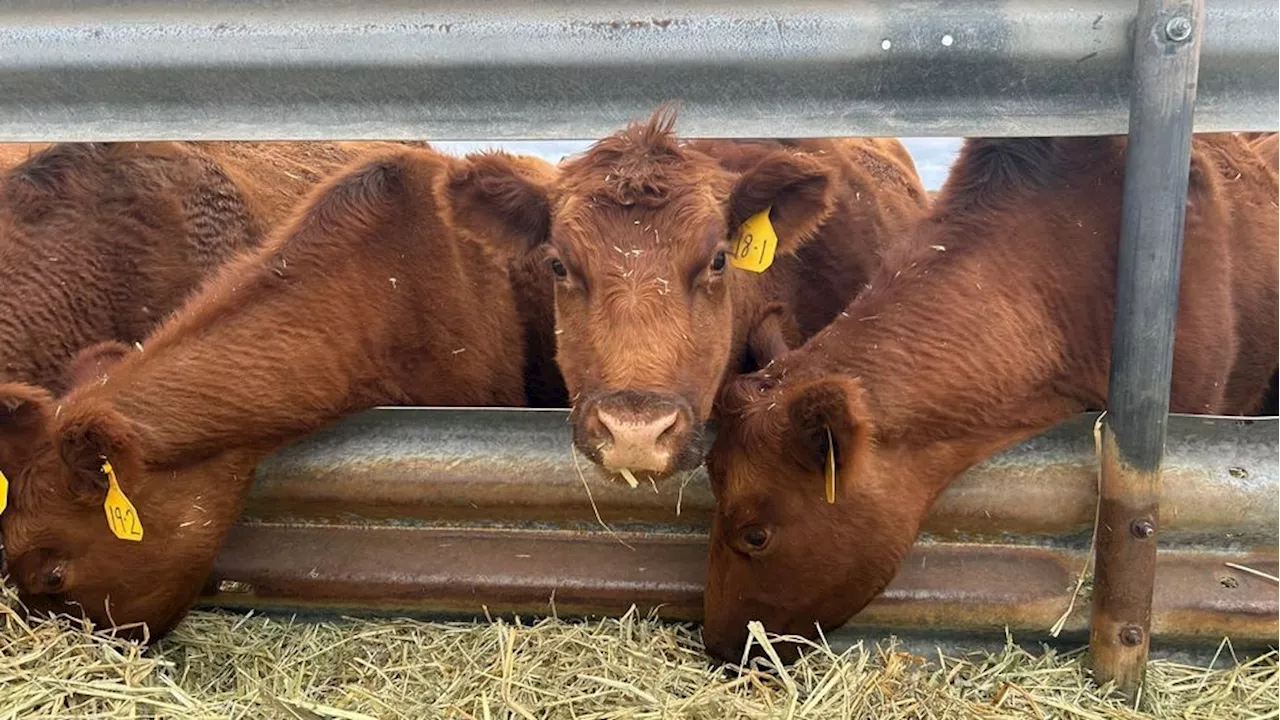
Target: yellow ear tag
[(831, 469), (122, 518), (755, 244), (4, 492)]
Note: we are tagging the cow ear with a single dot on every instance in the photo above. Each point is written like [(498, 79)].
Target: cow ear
[(502, 199), (797, 189), (24, 418), (825, 416), (93, 362), (767, 340), (87, 438)]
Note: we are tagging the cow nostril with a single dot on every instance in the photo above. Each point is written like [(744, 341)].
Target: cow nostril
[(723, 652), (673, 428), (597, 429), (635, 433), (609, 425), (616, 426)]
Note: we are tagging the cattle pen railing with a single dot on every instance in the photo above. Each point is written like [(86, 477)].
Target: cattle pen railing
[(455, 510)]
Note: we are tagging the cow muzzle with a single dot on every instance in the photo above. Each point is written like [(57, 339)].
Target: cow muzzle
[(636, 431)]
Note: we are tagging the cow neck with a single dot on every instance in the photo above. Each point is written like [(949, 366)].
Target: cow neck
[(950, 350), (242, 367)]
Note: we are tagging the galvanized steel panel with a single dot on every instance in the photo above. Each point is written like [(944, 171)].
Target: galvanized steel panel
[(502, 69), (462, 511)]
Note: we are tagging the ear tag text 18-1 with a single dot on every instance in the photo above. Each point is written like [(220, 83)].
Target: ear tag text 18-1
[(831, 469), (755, 244), (4, 493), (122, 517)]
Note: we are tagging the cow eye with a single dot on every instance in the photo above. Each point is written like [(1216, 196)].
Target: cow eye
[(717, 263), (558, 268), (52, 579), (755, 537)]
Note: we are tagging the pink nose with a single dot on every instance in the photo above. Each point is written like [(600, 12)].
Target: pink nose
[(633, 439)]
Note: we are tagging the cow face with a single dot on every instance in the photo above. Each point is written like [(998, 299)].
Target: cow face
[(637, 232), (781, 553), (59, 545)]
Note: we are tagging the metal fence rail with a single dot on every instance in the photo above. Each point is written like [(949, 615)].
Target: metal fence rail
[(455, 512), (508, 69)]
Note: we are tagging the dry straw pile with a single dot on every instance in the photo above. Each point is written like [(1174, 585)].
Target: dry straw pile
[(222, 665)]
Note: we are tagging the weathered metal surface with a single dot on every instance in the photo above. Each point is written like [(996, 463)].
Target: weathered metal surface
[(1125, 565), (504, 69), (443, 465), (459, 511), (945, 587), (1166, 59), (463, 570)]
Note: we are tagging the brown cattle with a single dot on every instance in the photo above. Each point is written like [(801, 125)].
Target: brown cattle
[(991, 324), (534, 287), (1268, 146), (369, 296), (651, 313), (274, 176), (17, 153), (102, 241)]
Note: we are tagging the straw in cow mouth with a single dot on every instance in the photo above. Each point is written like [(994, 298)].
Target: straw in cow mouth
[(629, 477)]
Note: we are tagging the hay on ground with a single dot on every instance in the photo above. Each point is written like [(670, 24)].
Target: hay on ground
[(227, 665)]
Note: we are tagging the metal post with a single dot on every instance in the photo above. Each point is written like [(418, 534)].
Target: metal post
[(1166, 54)]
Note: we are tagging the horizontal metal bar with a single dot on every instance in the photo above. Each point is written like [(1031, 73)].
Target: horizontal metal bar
[(503, 69), (458, 511), (468, 572), (415, 466)]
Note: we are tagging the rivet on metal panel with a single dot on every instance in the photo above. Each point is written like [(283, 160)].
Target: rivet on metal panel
[(1142, 529), (1178, 29), (1131, 635), (234, 586)]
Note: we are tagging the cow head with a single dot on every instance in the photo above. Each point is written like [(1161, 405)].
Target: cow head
[(60, 549), (637, 232), (780, 552)]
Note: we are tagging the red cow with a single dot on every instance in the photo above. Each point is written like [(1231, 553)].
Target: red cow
[(103, 241), (1268, 146), (651, 312), (377, 292), (991, 324), (16, 153)]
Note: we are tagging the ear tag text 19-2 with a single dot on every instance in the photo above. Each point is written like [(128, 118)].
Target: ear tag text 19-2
[(755, 244), (122, 517), (4, 492), (831, 469)]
